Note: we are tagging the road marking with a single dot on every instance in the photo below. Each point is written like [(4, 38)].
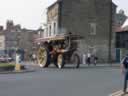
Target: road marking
[(118, 93)]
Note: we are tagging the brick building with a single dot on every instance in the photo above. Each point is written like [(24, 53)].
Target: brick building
[(89, 18), (16, 37), (2, 43)]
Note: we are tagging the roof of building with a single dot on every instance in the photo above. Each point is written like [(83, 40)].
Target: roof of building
[(56, 2), (125, 23), (118, 29), (114, 4), (51, 6), (59, 37), (122, 28)]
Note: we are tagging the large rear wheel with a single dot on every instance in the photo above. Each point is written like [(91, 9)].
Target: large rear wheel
[(76, 60), (43, 57)]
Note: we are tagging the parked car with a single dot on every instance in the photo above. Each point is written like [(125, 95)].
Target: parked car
[(5, 59)]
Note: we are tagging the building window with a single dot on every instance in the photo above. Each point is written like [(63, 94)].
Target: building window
[(54, 28), (1, 44), (46, 32), (50, 30), (92, 28)]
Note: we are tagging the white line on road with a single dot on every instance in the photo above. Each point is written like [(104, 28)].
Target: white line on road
[(118, 93)]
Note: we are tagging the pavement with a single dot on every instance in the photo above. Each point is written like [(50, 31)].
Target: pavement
[(16, 72), (32, 67)]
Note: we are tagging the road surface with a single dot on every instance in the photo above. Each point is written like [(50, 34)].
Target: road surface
[(85, 81)]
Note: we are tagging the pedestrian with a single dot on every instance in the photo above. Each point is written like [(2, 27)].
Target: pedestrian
[(84, 58), (124, 69), (29, 56), (94, 59), (88, 59), (34, 58)]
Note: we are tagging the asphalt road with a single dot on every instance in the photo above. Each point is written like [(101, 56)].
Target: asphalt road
[(86, 81)]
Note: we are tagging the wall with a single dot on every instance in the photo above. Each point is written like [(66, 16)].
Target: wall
[(2, 42), (79, 15), (23, 40), (52, 20)]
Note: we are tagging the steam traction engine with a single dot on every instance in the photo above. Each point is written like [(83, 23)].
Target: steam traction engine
[(59, 50)]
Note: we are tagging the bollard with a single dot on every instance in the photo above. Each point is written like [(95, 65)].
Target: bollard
[(17, 65)]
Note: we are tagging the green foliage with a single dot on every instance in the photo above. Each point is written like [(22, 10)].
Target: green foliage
[(6, 65)]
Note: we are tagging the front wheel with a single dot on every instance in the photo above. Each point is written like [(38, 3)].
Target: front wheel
[(60, 61), (43, 57)]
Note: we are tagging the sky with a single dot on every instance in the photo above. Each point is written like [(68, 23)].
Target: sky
[(31, 14), (122, 4)]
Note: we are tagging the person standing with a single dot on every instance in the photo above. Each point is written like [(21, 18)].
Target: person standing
[(88, 59), (124, 69), (34, 58), (84, 58), (94, 59)]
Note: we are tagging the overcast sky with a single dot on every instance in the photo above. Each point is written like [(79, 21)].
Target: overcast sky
[(31, 13)]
